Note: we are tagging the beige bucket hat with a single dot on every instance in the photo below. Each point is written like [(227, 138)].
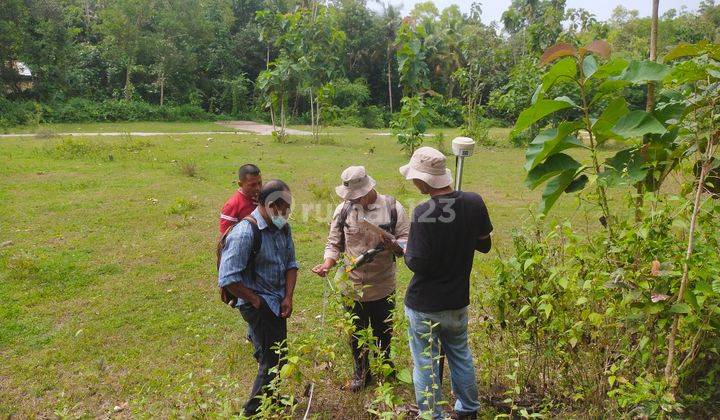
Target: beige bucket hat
[(355, 183), (428, 164)]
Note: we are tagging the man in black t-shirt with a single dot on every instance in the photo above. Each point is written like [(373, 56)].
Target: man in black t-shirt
[(445, 232)]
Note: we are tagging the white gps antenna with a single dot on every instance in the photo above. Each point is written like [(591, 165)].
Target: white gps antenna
[(462, 147)]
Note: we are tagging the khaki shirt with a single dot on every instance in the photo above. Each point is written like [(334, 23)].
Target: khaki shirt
[(375, 279)]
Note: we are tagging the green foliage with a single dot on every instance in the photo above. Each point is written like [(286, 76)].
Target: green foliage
[(412, 67), (507, 101), (411, 123), (182, 207), (570, 305), (444, 112), (83, 110), (597, 110)]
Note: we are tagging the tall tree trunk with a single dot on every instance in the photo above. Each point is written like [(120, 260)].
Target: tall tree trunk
[(162, 90), (312, 114), (389, 79), (650, 103), (272, 116), (282, 116), (128, 94), (296, 105), (317, 118)]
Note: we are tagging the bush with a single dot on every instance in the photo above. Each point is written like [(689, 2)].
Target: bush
[(479, 130), (374, 117), (19, 113), (344, 93), (523, 138), (597, 315), (76, 110), (442, 113)]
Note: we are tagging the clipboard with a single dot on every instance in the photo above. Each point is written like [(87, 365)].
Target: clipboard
[(366, 224)]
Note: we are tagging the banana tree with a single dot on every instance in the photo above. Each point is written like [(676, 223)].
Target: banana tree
[(593, 112)]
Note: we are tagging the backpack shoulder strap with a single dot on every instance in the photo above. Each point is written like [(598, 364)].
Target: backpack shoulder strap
[(257, 236), (342, 221), (221, 244), (257, 240), (392, 208)]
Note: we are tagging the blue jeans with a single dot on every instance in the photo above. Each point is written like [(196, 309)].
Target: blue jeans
[(449, 329)]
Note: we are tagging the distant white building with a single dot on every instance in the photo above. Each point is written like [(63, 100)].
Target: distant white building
[(22, 69), (25, 79)]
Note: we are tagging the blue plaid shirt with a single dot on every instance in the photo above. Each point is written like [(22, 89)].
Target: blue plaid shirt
[(275, 257)]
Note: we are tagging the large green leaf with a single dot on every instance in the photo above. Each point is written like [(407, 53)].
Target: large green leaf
[(627, 166), (637, 124), (577, 184), (608, 87), (686, 50), (565, 69), (602, 128), (554, 165), (590, 66), (551, 141), (555, 188), (669, 112), (686, 72), (541, 109), (612, 68), (641, 72)]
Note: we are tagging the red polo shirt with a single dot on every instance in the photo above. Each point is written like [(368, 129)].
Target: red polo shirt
[(235, 209)]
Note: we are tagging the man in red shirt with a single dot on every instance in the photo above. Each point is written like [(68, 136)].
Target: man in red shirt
[(244, 201)]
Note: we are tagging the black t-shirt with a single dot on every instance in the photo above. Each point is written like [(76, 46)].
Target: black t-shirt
[(444, 235)]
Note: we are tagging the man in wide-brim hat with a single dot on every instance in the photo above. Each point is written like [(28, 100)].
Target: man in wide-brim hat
[(372, 296), (445, 232)]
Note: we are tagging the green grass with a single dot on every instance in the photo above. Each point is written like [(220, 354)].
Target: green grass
[(108, 283)]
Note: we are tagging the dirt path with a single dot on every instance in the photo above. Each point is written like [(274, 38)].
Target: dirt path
[(241, 127), (261, 129)]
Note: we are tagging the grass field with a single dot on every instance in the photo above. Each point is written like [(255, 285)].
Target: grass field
[(107, 271)]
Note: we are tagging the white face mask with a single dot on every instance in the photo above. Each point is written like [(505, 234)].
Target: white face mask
[(279, 221)]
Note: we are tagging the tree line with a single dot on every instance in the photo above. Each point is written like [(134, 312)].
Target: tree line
[(339, 61)]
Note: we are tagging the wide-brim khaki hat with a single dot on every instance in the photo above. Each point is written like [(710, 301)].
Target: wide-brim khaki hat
[(428, 164), (355, 183)]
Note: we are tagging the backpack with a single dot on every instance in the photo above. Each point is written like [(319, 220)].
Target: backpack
[(389, 227), (225, 295)]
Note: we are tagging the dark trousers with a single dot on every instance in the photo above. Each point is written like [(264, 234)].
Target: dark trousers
[(375, 314), (266, 330)]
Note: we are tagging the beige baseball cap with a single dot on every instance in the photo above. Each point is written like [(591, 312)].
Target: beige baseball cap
[(355, 183), (428, 164)]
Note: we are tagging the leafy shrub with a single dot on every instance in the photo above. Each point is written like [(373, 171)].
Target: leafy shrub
[(344, 93), (507, 102), (597, 315), (410, 123), (374, 116), (479, 130), (444, 113), (522, 139), (13, 113), (183, 206), (70, 148)]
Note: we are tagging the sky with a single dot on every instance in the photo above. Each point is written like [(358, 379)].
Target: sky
[(493, 9)]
